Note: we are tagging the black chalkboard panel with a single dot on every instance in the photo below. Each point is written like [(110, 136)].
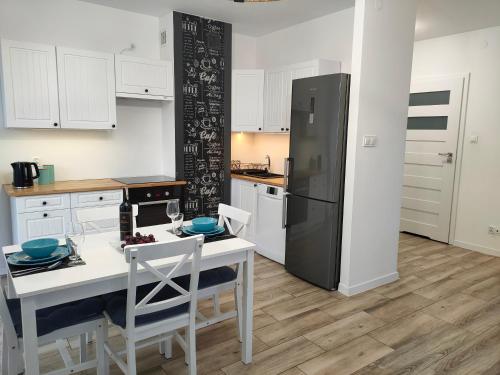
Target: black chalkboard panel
[(202, 50)]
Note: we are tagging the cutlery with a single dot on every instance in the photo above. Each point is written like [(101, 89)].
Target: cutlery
[(37, 269)]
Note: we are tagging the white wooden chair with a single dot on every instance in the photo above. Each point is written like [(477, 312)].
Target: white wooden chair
[(236, 220), (153, 313), (12, 350)]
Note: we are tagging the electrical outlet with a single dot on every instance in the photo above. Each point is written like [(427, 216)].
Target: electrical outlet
[(492, 229)]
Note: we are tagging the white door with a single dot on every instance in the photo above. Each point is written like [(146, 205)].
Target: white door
[(248, 202), (247, 100), (30, 85), (430, 156), (86, 89), (54, 223), (275, 99), (143, 77)]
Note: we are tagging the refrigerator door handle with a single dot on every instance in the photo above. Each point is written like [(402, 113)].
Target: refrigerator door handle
[(284, 211), (286, 172)]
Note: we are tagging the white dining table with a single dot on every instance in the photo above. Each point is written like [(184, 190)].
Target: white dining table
[(106, 271)]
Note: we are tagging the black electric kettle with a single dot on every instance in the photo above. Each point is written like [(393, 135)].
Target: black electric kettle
[(23, 174)]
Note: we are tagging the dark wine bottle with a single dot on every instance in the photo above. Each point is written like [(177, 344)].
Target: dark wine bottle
[(126, 216)]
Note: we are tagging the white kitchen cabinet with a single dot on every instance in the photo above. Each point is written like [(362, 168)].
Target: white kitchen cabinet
[(244, 196), (247, 100), (278, 90), (41, 203), (29, 85), (96, 198), (270, 235), (275, 96), (143, 78), (87, 97), (49, 223)]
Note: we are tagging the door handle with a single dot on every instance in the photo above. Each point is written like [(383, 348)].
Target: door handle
[(284, 211), (448, 155), (286, 168)]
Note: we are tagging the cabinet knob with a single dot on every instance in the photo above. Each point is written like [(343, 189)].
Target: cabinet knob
[(260, 129), (45, 215), (254, 185), (287, 129), (146, 90), (101, 198), (282, 129), (113, 126), (44, 203), (56, 124)]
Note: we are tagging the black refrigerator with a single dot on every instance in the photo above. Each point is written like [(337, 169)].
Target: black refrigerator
[(314, 178)]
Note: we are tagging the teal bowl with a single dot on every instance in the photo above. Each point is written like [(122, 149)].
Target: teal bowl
[(204, 224), (40, 248)]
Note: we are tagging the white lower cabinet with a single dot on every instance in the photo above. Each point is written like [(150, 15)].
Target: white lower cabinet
[(265, 203), (48, 223), (53, 215)]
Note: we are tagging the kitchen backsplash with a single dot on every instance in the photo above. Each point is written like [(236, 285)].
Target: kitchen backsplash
[(253, 147)]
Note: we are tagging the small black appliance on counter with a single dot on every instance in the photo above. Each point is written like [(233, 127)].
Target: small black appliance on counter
[(23, 174)]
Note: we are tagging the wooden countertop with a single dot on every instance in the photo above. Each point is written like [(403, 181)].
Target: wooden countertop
[(60, 187), (77, 186), (278, 181)]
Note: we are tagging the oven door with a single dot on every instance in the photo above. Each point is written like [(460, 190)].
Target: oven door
[(152, 213)]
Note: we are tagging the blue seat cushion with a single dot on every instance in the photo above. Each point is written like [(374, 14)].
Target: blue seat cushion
[(209, 278), (56, 317), (115, 305)]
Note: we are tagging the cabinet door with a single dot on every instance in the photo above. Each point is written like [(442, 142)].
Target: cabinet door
[(247, 100), (43, 224), (298, 71), (30, 85), (248, 202), (275, 90), (235, 192), (138, 77), (86, 89)]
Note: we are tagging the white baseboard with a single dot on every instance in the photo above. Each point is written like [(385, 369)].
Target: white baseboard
[(478, 248), (367, 285)]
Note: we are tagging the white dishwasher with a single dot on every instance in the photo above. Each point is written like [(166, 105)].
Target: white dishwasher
[(270, 236)]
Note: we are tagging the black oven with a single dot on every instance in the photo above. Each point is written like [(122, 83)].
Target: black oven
[(152, 202)]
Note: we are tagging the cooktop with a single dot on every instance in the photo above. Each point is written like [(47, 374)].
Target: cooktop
[(144, 179)]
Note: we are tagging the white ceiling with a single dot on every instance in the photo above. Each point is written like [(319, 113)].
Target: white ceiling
[(251, 18), (435, 17)]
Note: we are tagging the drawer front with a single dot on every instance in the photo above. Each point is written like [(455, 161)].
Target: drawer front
[(96, 198), (54, 223), (42, 203)]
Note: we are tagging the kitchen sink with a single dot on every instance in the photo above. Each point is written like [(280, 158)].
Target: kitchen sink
[(259, 173)]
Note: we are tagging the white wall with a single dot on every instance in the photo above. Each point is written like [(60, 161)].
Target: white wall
[(244, 52), (381, 69), (134, 148), (328, 37), (477, 53)]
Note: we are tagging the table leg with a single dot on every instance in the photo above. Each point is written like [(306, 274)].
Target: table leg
[(30, 337), (246, 350)]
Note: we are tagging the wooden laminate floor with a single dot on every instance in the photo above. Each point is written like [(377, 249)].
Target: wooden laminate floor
[(441, 317)]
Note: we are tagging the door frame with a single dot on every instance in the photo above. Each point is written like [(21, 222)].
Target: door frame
[(460, 144)]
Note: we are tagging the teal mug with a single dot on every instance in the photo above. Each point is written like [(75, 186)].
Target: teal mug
[(46, 175)]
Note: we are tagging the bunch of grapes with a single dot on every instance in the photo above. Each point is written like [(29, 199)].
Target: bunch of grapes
[(138, 239)]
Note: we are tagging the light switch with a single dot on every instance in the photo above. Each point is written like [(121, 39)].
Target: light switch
[(369, 140), (474, 139)]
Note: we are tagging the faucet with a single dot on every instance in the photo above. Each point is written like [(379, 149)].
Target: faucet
[(268, 159)]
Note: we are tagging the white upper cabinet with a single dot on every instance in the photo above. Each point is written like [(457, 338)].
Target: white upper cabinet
[(276, 88), (86, 89), (144, 79), (247, 100), (29, 83)]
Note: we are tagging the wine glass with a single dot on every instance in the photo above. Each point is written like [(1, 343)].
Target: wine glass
[(77, 237), (173, 211)]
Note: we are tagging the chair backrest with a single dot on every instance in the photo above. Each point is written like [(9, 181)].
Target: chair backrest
[(142, 255), (98, 218), (234, 217)]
